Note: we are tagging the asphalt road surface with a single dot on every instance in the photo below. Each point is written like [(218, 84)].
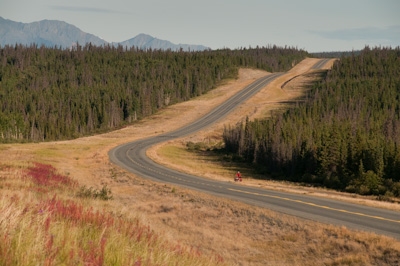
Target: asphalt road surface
[(132, 157)]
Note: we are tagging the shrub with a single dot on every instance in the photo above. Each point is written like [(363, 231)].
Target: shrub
[(198, 146), (103, 194)]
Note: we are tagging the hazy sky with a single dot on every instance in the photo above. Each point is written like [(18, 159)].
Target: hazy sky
[(313, 25)]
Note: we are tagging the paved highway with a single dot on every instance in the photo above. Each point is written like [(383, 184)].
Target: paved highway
[(132, 157), (320, 64)]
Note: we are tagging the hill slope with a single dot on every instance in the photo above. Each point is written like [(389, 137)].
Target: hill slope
[(345, 136), (80, 91)]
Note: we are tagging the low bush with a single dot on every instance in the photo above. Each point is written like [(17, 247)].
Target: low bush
[(103, 194)]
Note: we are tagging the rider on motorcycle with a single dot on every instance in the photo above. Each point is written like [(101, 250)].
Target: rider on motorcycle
[(238, 177)]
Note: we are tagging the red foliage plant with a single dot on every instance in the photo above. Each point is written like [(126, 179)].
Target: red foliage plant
[(46, 175), (76, 213)]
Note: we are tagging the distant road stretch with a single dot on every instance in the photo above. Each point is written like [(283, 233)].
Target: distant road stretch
[(132, 157)]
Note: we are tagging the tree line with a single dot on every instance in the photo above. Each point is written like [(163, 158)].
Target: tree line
[(54, 93), (346, 135)]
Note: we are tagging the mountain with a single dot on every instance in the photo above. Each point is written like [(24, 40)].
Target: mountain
[(46, 32), (144, 41), (54, 32)]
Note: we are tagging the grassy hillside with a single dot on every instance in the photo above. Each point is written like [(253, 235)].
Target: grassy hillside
[(53, 94), (346, 135), (48, 219)]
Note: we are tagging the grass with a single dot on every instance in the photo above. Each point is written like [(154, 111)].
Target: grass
[(275, 239), (49, 153), (196, 158), (247, 235), (180, 155), (43, 223)]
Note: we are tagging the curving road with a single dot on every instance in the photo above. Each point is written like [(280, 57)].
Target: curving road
[(132, 157)]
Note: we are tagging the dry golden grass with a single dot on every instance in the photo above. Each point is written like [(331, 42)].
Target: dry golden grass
[(246, 235), (242, 234), (45, 221)]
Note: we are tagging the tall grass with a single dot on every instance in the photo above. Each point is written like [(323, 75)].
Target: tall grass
[(42, 222)]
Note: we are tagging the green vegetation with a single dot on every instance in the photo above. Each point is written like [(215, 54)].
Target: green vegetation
[(345, 136), (103, 194), (54, 94)]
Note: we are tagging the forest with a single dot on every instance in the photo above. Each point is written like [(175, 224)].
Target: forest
[(55, 94), (345, 135)]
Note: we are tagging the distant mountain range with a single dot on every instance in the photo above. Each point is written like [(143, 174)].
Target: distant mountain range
[(54, 32), (144, 41)]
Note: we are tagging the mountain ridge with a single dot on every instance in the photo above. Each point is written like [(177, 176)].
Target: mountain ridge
[(54, 32), (145, 41)]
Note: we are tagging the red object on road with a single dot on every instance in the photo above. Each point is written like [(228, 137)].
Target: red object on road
[(238, 177)]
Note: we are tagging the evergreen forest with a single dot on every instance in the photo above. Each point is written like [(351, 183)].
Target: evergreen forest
[(55, 94), (345, 135)]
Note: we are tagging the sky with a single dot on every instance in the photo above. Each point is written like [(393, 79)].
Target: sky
[(312, 25)]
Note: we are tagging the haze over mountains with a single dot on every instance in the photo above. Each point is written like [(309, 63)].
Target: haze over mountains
[(53, 32)]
